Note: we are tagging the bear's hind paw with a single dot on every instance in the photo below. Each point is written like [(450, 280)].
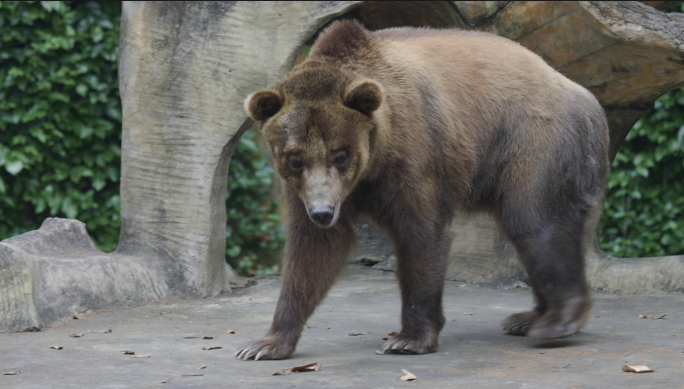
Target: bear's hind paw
[(520, 323)]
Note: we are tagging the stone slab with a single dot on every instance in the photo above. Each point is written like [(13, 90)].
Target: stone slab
[(52, 273)]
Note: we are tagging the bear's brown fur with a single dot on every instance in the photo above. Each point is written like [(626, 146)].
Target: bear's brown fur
[(410, 126)]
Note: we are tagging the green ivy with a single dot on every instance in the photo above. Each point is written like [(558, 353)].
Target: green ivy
[(644, 208), (254, 235), (60, 116)]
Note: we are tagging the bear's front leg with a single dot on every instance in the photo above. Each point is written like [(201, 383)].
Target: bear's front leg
[(422, 250), (314, 257)]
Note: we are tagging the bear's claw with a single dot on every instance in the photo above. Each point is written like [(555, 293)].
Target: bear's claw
[(266, 348), (411, 344)]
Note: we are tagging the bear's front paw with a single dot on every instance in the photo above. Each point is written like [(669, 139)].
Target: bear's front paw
[(411, 344), (265, 348)]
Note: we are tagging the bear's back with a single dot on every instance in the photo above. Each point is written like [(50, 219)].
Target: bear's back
[(456, 60)]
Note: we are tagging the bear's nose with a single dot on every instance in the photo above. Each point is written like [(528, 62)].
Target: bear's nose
[(322, 215)]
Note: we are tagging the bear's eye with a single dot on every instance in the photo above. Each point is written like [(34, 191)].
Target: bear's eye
[(339, 158), (296, 163)]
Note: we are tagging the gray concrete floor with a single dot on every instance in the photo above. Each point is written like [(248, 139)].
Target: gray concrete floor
[(475, 353)]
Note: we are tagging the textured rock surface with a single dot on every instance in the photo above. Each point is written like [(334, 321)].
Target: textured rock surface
[(56, 271)]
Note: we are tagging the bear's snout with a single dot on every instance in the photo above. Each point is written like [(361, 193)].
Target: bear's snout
[(322, 215)]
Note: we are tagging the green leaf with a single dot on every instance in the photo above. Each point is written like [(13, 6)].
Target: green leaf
[(69, 208), (51, 5), (233, 251), (79, 171), (14, 167), (82, 89), (642, 171)]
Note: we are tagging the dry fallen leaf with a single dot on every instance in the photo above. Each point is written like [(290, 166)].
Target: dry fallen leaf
[(391, 334), (127, 352), (310, 327), (637, 368), (211, 348), (652, 317), (10, 372), (202, 367), (230, 331), (56, 347), (408, 376), (454, 320), (300, 369), (308, 367), (142, 356), (359, 333), (75, 335)]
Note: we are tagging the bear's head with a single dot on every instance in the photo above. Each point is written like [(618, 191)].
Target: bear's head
[(319, 123)]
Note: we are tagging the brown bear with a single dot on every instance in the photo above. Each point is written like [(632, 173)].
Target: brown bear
[(410, 126)]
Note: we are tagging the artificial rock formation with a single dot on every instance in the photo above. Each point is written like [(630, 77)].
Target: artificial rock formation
[(185, 68)]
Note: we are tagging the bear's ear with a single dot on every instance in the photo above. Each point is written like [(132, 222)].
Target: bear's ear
[(263, 104), (363, 96)]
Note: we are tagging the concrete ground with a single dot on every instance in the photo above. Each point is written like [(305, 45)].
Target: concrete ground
[(475, 352)]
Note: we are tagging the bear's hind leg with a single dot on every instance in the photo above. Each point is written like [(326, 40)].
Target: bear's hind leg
[(554, 260), (421, 261)]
